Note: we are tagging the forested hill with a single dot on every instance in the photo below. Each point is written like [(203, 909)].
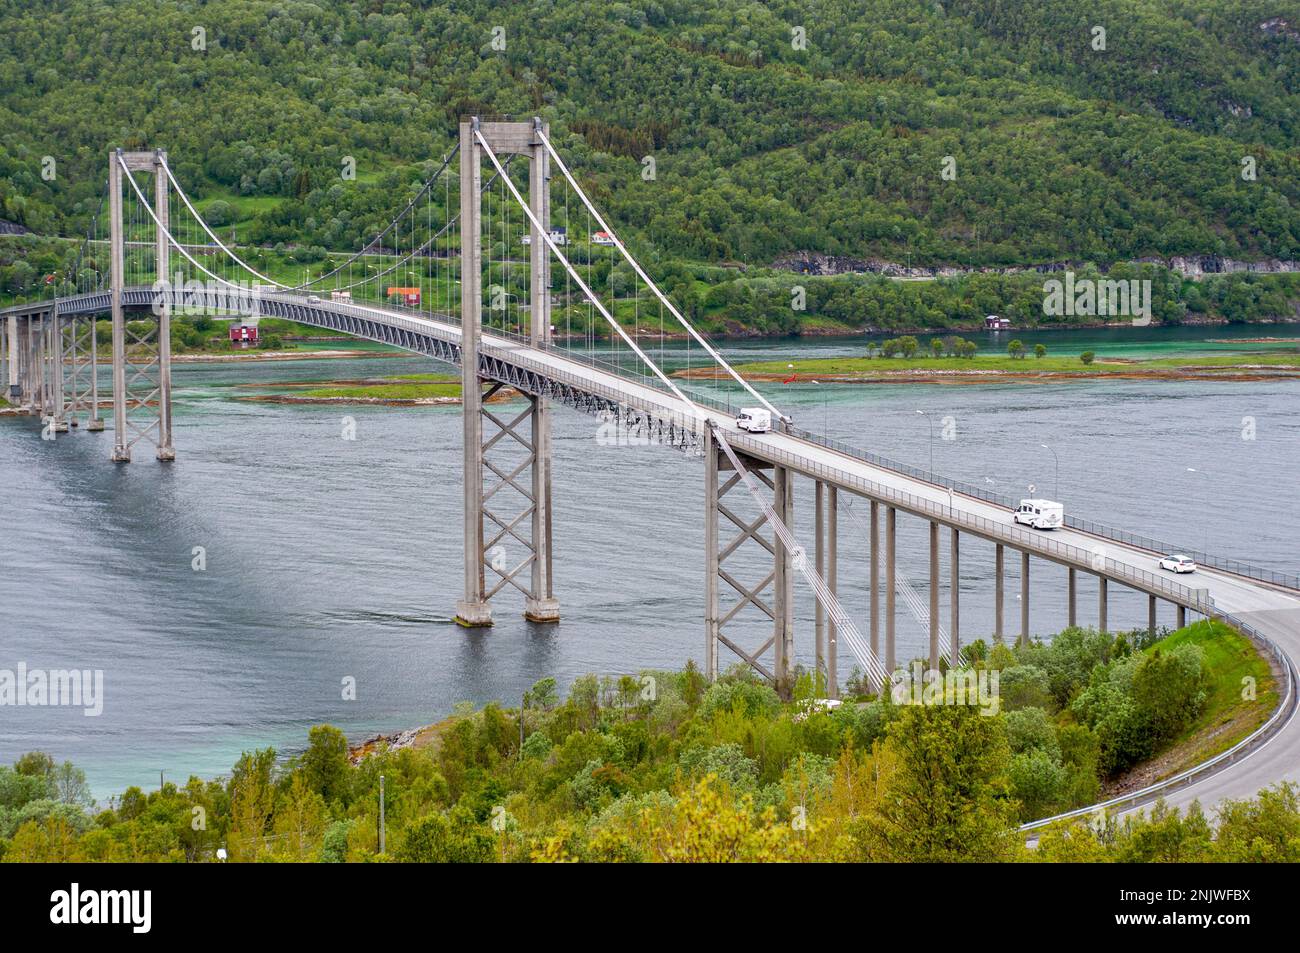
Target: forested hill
[(1062, 151)]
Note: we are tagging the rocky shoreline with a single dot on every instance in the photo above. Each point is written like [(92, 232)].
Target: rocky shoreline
[(1189, 266)]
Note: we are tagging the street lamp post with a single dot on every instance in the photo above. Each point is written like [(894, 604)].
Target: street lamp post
[(1058, 469)]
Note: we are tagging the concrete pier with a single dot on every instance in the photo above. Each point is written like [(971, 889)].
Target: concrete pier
[(1101, 603), (891, 521), (934, 595), (1024, 598), (954, 596), (999, 591)]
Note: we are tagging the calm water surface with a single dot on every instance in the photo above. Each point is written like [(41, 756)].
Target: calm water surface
[(329, 559)]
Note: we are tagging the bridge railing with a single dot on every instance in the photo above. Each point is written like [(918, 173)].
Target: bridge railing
[(1198, 600), (1091, 527), (1280, 716)]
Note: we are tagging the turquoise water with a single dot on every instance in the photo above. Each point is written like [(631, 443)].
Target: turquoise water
[(329, 558)]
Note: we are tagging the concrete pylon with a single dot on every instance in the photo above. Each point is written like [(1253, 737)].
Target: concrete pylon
[(891, 588), (473, 610), (1102, 622), (489, 563), (117, 276), (129, 371), (1024, 598), (541, 604), (56, 409), (162, 261)]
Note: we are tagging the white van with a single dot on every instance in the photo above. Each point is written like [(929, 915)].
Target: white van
[(1040, 514), (754, 419)]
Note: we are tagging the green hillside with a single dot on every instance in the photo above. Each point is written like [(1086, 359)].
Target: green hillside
[(765, 146)]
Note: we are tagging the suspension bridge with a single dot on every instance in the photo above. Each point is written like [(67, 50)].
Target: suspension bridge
[(444, 279)]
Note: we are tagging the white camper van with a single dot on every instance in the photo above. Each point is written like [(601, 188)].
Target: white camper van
[(1040, 514), (754, 419)]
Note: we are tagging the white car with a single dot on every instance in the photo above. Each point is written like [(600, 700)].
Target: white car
[(313, 299), (1178, 563)]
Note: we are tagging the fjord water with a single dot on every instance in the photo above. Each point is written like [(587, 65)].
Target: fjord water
[(329, 559)]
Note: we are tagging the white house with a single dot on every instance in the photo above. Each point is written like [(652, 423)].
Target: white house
[(556, 233)]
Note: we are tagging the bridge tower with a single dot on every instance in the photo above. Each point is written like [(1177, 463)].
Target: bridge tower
[(495, 532), (142, 375)]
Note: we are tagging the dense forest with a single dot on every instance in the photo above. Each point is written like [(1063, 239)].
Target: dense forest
[(663, 766), (765, 143)]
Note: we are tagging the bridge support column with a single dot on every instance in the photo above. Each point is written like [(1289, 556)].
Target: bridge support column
[(934, 595), (1024, 598), (783, 586), (541, 606), (54, 348), (999, 594), (40, 392), (4, 360), (473, 610), (875, 579), (954, 597), (819, 549), (162, 262), (1101, 603), (712, 558), (1151, 616), (14, 390), (1072, 593), (1182, 616), (24, 358), (891, 522), (774, 609), (117, 276), (827, 544), (32, 367), (832, 581), (36, 332)]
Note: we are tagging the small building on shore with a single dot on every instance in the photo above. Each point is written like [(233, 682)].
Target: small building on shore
[(243, 332), (407, 296), (994, 323)]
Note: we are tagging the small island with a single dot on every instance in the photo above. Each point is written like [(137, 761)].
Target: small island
[(953, 363), (403, 390)]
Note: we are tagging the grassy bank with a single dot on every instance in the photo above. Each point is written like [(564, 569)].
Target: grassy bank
[(1240, 695), (407, 388), (400, 389), (1282, 362)]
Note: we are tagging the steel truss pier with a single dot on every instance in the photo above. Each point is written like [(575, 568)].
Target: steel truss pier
[(772, 595)]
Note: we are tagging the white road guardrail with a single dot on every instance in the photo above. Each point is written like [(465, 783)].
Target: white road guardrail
[(1280, 717)]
